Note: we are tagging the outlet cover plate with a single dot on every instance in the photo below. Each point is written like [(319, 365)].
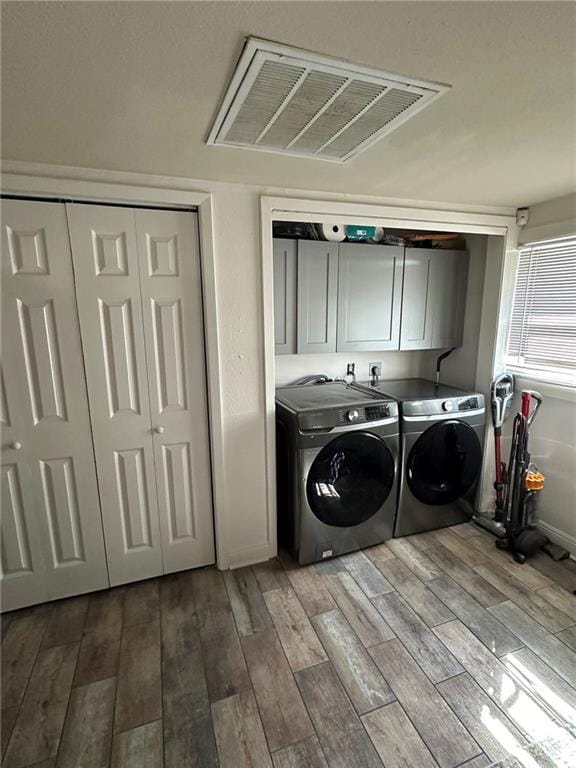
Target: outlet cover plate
[(379, 369)]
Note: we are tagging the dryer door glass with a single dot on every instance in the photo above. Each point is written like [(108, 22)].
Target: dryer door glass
[(444, 463), (350, 479)]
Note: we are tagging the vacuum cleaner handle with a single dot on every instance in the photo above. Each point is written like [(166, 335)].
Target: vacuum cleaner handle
[(537, 398), (501, 393)]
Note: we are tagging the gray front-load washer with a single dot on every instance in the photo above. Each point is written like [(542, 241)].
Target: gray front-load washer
[(442, 439), (337, 461)]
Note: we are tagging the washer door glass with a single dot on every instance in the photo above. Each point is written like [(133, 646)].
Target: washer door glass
[(350, 479), (444, 463)]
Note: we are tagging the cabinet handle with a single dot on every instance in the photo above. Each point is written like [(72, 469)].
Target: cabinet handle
[(159, 429), (16, 445)]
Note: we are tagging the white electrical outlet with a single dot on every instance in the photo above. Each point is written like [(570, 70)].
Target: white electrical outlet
[(378, 370)]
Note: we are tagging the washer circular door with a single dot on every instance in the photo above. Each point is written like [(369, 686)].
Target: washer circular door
[(350, 479), (444, 463)]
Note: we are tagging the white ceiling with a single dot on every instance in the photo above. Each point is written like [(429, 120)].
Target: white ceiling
[(135, 86)]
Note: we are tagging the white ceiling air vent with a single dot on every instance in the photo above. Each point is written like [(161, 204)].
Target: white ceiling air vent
[(289, 101)]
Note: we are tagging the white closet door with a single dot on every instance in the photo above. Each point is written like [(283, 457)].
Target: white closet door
[(50, 495), (173, 328), (24, 579), (108, 290)]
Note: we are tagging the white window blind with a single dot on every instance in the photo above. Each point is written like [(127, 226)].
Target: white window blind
[(542, 339)]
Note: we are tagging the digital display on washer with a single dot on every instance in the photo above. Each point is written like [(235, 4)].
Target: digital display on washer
[(377, 412)]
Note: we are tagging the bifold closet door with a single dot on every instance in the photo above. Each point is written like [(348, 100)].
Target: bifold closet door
[(139, 300), (169, 261), (52, 542)]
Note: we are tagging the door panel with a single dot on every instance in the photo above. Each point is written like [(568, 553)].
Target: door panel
[(42, 358), (173, 328), (23, 572), (369, 297), (449, 290), (317, 296), (61, 502), (52, 490), (106, 270), (285, 253), (417, 319)]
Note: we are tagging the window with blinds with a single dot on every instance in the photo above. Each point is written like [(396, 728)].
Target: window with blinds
[(542, 340)]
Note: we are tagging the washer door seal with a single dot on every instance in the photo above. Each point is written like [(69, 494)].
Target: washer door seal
[(350, 479), (444, 463)]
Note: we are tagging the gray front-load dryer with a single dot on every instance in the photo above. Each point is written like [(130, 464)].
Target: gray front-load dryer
[(442, 439), (337, 461)]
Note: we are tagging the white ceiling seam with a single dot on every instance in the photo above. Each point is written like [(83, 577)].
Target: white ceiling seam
[(288, 101)]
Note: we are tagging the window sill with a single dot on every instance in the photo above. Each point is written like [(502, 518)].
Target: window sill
[(546, 388)]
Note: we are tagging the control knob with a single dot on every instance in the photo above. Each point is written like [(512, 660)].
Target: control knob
[(352, 415), (448, 405)]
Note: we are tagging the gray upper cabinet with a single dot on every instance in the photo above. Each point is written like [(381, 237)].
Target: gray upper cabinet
[(369, 297), (416, 325), (317, 296), (355, 297), (285, 256), (433, 298), (450, 282)]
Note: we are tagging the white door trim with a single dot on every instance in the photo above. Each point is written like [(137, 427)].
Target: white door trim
[(89, 185), (481, 221)]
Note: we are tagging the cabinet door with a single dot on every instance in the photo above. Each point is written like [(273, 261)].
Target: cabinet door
[(107, 277), (450, 276), (285, 296), (317, 296), (369, 297), (45, 395), (417, 306), (169, 260)]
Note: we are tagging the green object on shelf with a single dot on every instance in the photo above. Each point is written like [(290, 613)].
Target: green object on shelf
[(359, 232)]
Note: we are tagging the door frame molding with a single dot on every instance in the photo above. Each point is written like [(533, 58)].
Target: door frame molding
[(33, 180), (466, 219)]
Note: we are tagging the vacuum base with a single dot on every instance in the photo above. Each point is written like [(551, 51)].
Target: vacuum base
[(490, 525)]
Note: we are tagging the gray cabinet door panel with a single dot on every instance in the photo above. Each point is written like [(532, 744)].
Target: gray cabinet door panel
[(434, 298), (449, 288), (285, 252), (369, 297), (417, 304), (317, 296)]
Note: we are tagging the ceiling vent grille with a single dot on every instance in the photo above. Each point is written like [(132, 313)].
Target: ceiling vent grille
[(289, 101)]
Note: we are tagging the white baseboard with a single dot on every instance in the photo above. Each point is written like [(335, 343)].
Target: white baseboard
[(249, 556), (559, 537)]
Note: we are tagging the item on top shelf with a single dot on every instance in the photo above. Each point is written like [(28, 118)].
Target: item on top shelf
[(357, 232), (447, 240), (378, 235), (296, 230), (333, 232), (389, 239)]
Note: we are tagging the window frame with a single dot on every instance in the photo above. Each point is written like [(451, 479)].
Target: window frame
[(563, 385)]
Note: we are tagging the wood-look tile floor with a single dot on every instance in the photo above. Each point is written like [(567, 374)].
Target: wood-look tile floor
[(436, 650)]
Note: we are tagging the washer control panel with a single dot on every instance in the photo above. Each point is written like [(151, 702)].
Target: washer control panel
[(452, 405)]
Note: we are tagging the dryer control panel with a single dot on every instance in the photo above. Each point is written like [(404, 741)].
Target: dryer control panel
[(444, 406), (469, 403)]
